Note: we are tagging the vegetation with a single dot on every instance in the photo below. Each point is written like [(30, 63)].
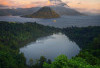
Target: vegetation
[(62, 62), (82, 36), (15, 35), (88, 38)]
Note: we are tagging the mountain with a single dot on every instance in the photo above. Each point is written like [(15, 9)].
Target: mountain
[(44, 12), (18, 11), (61, 10)]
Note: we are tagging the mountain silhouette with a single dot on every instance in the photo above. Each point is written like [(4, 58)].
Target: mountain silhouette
[(61, 10), (44, 12)]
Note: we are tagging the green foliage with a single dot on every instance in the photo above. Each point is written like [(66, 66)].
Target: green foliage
[(15, 35), (93, 60), (95, 44), (42, 60), (87, 38), (31, 62), (82, 35), (11, 58), (62, 62), (6, 60)]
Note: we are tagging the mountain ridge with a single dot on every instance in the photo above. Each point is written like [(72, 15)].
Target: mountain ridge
[(44, 12), (61, 10)]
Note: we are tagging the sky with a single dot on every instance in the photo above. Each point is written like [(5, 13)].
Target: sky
[(81, 5)]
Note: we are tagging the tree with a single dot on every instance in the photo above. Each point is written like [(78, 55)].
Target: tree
[(62, 62), (31, 62), (42, 60)]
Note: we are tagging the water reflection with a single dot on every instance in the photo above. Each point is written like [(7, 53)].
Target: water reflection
[(50, 47)]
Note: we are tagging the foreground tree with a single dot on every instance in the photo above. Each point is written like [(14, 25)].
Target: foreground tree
[(62, 62)]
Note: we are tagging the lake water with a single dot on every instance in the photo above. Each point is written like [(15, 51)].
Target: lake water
[(56, 44), (64, 21), (50, 47)]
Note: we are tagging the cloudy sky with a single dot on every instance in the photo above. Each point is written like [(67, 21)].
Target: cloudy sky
[(82, 5)]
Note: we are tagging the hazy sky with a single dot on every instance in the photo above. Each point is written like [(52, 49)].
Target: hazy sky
[(82, 5)]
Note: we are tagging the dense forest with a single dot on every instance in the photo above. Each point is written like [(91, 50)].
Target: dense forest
[(15, 35), (88, 38), (82, 36)]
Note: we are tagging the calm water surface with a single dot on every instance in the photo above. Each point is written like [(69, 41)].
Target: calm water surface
[(56, 44), (64, 21), (50, 47)]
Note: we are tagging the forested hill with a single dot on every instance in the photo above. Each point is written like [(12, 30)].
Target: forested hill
[(88, 38), (82, 35), (15, 35)]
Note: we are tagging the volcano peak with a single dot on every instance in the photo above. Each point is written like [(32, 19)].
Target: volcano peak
[(44, 12)]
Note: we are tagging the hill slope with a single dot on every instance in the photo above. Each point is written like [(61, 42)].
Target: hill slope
[(65, 10), (44, 12), (26, 11), (18, 11)]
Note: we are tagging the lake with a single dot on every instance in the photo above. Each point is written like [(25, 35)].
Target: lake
[(50, 47), (62, 22), (56, 44)]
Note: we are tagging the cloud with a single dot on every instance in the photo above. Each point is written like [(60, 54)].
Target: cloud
[(85, 10), (8, 4), (94, 4), (79, 3), (30, 3), (23, 3), (62, 4), (58, 2)]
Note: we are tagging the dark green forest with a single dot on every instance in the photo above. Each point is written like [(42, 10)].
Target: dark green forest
[(15, 35), (88, 39)]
